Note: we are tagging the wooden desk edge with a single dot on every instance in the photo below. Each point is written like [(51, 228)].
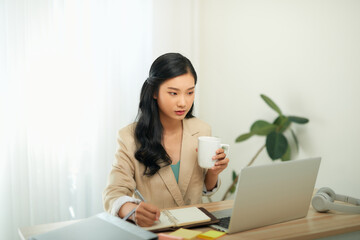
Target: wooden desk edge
[(317, 224)]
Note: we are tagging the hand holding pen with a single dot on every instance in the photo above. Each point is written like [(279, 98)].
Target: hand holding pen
[(145, 213)]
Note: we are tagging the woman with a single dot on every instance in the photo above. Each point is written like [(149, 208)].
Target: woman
[(157, 154)]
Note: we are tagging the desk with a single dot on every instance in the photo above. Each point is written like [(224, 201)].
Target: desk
[(315, 225)]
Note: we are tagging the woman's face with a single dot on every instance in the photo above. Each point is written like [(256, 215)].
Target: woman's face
[(175, 97)]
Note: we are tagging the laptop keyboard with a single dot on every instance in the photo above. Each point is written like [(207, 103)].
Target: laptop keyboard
[(224, 222)]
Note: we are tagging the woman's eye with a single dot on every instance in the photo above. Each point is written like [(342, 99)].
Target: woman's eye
[(172, 93), (190, 93)]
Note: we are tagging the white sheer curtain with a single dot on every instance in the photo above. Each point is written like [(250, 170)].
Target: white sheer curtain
[(70, 76)]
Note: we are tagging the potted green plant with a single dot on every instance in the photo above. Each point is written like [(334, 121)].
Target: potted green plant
[(276, 143)]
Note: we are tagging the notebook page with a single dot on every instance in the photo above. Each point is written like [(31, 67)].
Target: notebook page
[(190, 215)]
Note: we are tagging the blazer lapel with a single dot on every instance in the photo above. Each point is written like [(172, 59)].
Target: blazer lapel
[(168, 178), (188, 163), (188, 156)]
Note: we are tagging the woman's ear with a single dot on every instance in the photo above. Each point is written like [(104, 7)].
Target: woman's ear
[(155, 96)]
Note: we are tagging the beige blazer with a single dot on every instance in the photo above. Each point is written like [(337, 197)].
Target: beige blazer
[(160, 189)]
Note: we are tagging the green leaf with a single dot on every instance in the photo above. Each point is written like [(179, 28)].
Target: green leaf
[(282, 122), (262, 128), (299, 120), (243, 137), (233, 188), (276, 145), (287, 154), (295, 139), (234, 175), (271, 104)]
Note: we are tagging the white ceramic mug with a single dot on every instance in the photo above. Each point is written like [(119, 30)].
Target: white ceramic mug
[(207, 149)]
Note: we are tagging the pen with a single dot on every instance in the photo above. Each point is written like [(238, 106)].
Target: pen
[(129, 214), (132, 211), (139, 194)]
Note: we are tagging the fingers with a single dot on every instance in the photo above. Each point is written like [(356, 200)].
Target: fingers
[(223, 162), (220, 166), (146, 214), (220, 154)]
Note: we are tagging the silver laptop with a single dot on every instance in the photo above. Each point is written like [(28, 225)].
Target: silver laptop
[(270, 194)]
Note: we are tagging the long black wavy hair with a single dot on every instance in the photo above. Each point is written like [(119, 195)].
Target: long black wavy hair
[(148, 131)]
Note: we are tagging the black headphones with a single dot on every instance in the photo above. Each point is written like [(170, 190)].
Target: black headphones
[(323, 201)]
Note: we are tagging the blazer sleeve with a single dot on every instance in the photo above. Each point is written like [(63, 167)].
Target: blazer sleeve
[(121, 178)]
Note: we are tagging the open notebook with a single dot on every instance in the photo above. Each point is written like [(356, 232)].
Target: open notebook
[(182, 217)]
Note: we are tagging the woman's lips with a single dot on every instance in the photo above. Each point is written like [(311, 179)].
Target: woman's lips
[(180, 112)]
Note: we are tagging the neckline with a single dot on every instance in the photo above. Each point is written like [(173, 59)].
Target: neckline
[(176, 163)]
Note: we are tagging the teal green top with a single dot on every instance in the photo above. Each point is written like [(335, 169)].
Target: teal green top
[(176, 169)]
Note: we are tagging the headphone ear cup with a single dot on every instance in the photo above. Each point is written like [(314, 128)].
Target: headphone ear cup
[(320, 202), (329, 192), (323, 201)]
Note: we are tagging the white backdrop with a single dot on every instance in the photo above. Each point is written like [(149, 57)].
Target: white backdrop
[(305, 55), (70, 77)]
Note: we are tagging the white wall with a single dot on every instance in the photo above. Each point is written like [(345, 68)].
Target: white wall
[(305, 55), (175, 29)]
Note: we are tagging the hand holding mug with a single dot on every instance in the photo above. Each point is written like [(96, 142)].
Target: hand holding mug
[(212, 153), (221, 162)]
